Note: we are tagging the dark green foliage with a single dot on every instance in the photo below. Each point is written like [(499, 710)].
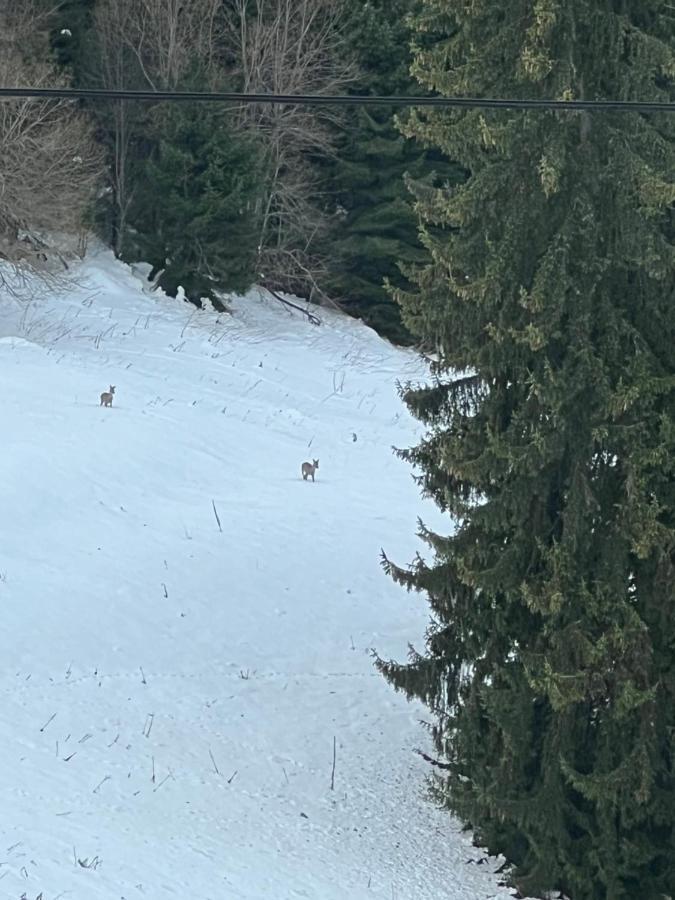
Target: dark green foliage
[(71, 24), (184, 188), (377, 228), (549, 665), (379, 35), (193, 211)]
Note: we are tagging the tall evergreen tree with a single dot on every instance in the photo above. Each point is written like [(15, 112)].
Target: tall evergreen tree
[(549, 664), (194, 210), (376, 229)]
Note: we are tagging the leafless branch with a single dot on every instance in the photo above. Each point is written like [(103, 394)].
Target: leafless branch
[(49, 164), (290, 46), (167, 36)]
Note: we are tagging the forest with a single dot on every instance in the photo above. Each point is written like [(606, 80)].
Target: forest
[(310, 200), (530, 254)]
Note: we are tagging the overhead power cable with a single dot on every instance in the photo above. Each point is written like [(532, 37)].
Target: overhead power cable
[(336, 100)]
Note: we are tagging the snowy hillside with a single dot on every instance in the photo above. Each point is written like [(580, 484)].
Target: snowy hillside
[(172, 686)]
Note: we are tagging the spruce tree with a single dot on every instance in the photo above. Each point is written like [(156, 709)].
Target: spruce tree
[(194, 209), (377, 238), (549, 303), (376, 231)]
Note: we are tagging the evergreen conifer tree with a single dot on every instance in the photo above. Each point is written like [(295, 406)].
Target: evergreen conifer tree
[(376, 230), (377, 233), (549, 665), (194, 209)]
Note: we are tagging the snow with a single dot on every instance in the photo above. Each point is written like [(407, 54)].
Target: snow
[(170, 691)]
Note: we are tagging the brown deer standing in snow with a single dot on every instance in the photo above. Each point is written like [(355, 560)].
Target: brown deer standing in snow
[(309, 469), (107, 396)]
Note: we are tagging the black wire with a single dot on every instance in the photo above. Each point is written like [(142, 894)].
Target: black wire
[(340, 100)]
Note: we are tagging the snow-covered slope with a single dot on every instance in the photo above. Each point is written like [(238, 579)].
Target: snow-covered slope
[(172, 685)]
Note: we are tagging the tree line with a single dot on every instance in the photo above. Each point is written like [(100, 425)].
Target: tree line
[(549, 308), (531, 255), (309, 200)]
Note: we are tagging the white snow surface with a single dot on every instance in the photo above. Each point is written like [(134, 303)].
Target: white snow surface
[(171, 691)]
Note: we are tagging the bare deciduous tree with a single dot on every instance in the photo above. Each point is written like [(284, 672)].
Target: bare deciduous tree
[(148, 43), (169, 37), (49, 163), (290, 47)]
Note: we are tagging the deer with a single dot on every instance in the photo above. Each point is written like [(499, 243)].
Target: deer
[(309, 469), (107, 396)]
